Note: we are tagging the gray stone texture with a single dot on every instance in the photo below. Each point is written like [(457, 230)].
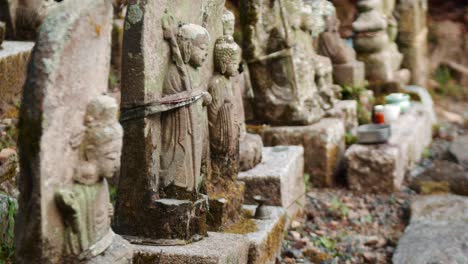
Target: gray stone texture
[(265, 243), (382, 167), (459, 149), (69, 66), (346, 110), (324, 146), (14, 57), (279, 179), (350, 74), (217, 248), (437, 231)]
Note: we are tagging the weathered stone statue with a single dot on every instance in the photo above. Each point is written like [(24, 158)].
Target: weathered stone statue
[(69, 142), (346, 69), (375, 32), (85, 204), (164, 94), (250, 144), (279, 53)]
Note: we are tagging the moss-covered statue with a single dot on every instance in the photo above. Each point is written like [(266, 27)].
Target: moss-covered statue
[(375, 33), (85, 205)]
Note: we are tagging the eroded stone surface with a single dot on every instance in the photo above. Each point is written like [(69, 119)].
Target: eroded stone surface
[(346, 110), (69, 140), (437, 231), (279, 179), (14, 56), (381, 167), (324, 146), (217, 248), (459, 149)]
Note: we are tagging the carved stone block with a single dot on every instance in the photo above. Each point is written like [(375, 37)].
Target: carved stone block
[(279, 179), (324, 145), (350, 74)]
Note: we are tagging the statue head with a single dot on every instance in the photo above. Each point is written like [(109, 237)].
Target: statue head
[(228, 22), (193, 42), (227, 56), (324, 15), (102, 143), (293, 12)]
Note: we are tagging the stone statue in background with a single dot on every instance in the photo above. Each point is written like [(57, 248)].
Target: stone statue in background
[(375, 32), (346, 69), (279, 53), (85, 205), (251, 145), (224, 128)]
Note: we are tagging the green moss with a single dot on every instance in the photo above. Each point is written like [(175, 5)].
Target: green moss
[(432, 187), (244, 226)]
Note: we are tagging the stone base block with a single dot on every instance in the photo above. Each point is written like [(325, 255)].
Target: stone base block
[(279, 178), (250, 149), (382, 167), (14, 57), (345, 110), (217, 248), (349, 74), (119, 252), (324, 146), (265, 244)]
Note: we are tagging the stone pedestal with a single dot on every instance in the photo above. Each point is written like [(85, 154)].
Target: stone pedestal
[(279, 178), (259, 247), (350, 74), (14, 57), (381, 167), (217, 248), (346, 110), (323, 142)]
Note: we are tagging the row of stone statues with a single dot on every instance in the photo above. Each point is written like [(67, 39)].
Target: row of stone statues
[(184, 138)]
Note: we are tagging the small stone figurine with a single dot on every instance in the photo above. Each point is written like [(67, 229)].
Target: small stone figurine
[(85, 205)]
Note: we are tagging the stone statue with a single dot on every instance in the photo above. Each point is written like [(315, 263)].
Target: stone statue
[(279, 53), (226, 194), (85, 206), (251, 145), (28, 16), (182, 128), (375, 32), (346, 69)]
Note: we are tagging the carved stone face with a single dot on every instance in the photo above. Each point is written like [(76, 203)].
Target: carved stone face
[(199, 52), (108, 158), (228, 23), (232, 66)]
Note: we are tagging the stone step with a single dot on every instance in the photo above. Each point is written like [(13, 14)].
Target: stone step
[(382, 167), (259, 247), (14, 57), (279, 179), (324, 146)]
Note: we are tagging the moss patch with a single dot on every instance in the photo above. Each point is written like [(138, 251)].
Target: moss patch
[(244, 226), (432, 187)]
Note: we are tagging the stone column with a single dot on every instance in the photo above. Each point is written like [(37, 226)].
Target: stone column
[(165, 74), (69, 142)]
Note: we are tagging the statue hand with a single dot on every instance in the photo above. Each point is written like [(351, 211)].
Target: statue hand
[(207, 99), (168, 25)]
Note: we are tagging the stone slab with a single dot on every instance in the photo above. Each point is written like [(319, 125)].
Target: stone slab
[(382, 167), (346, 110), (279, 178), (324, 146), (265, 244), (14, 57), (217, 248), (437, 231), (260, 247)]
